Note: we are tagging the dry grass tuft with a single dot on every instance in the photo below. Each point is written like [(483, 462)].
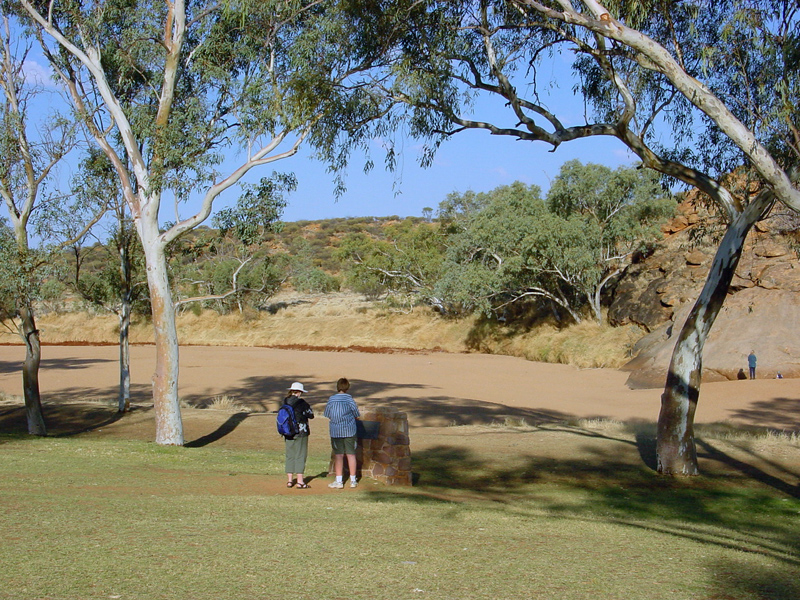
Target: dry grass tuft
[(11, 399), (587, 345), (226, 403), (512, 423), (600, 424), (738, 433)]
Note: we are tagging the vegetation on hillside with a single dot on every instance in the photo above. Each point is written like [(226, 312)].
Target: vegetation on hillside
[(502, 254)]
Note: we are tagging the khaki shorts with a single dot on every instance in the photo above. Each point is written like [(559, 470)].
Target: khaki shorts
[(345, 445)]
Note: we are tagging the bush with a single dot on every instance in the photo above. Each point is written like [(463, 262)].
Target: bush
[(316, 281)]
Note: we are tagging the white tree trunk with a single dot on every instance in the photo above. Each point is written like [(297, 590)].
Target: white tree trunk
[(124, 357), (595, 296), (169, 426), (135, 174), (675, 446), (124, 321)]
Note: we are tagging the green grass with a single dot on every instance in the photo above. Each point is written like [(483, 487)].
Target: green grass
[(97, 519)]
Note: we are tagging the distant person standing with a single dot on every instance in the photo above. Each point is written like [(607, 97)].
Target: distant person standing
[(751, 362), (342, 411)]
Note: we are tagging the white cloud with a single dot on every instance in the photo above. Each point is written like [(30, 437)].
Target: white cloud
[(625, 155), (37, 73), (501, 172)]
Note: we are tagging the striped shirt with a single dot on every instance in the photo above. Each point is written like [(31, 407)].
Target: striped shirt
[(342, 411)]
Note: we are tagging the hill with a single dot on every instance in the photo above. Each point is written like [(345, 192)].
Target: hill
[(646, 306)]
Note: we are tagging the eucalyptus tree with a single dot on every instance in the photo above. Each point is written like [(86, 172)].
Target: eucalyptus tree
[(694, 89), (562, 250), (514, 249), (732, 66), (406, 262), (196, 96), (621, 211), (32, 143), (232, 264), (118, 286)]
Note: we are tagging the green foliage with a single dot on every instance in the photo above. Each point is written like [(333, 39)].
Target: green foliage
[(102, 281), (110, 275), (257, 211), (510, 244), (222, 273), (408, 260), (751, 64), (495, 251), (744, 51), (230, 267), (359, 277), (305, 275), (9, 272), (259, 280), (315, 281), (622, 208), (22, 272)]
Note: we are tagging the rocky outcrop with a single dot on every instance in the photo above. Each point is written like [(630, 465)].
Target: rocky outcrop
[(761, 313)]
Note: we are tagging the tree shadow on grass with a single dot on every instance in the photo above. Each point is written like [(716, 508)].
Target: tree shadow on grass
[(732, 579), (455, 467), (720, 508), (64, 420), (227, 427), (645, 436), (709, 450), (751, 470)]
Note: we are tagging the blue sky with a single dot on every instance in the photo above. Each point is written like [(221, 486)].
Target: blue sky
[(470, 160)]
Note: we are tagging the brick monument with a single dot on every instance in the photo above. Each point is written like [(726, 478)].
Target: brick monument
[(383, 453)]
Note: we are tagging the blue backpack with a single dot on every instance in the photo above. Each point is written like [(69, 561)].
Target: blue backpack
[(287, 422)]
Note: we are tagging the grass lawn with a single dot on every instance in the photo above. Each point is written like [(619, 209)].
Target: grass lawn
[(98, 518)]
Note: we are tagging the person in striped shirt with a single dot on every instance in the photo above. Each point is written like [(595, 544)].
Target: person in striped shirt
[(342, 412)]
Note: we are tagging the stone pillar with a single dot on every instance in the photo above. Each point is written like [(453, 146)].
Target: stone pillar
[(387, 456)]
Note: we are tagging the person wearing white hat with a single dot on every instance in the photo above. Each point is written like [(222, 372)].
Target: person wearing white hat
[(297, 447)]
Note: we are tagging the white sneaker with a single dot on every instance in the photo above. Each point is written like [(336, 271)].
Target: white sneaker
[(353, 483), (337, 485)]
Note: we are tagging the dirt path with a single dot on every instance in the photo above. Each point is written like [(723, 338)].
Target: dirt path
[(434, 389)]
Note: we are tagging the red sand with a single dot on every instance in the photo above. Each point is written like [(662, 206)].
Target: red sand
[(435, 389)]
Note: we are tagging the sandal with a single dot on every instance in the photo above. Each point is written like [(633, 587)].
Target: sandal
[(302, 486), (289, 484)]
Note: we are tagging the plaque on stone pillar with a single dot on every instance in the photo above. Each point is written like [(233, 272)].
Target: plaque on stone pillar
[(367, 430)]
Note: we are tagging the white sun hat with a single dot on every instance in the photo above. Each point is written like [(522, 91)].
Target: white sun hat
[(297, 386)]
